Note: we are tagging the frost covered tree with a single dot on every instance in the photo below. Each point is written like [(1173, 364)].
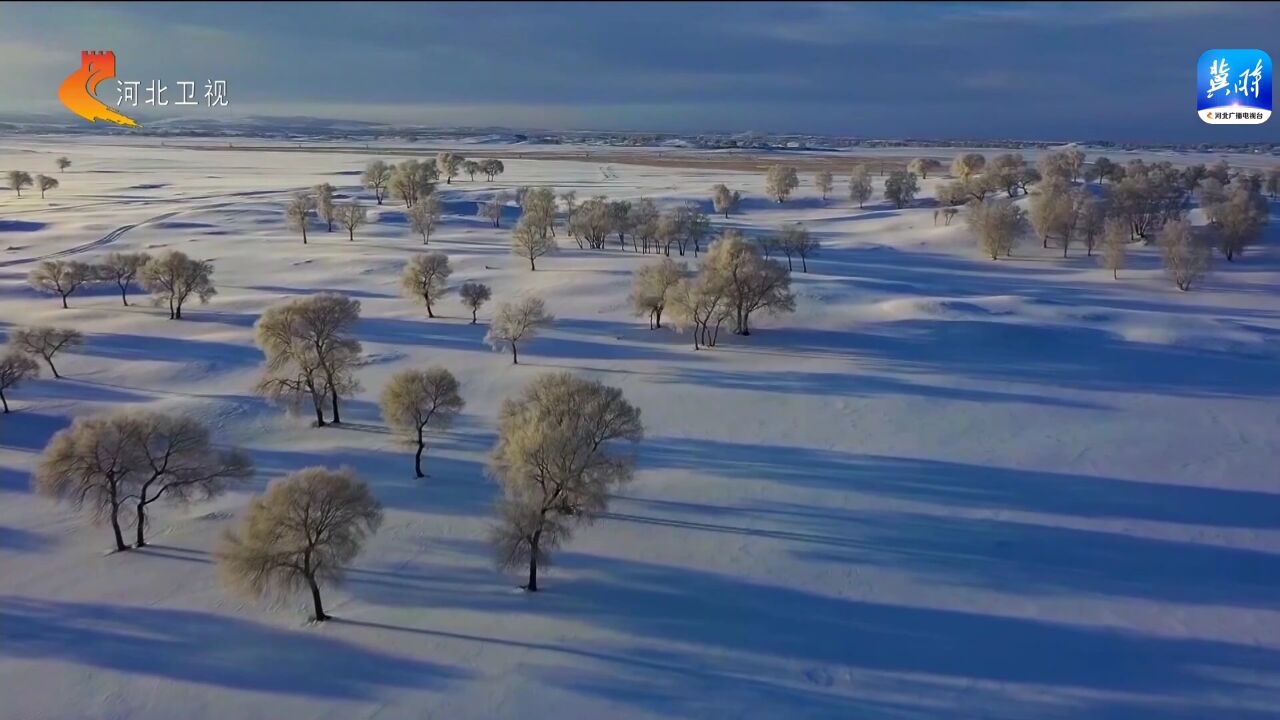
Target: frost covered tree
[(491, 167), (15, 367), (795, 242), (298, 212), (1115, 241), (651, 288), (779, 181), (923, 166), (1092, 212), (412, 180), (61, 277), (591, 223), (1272, 182), (539, 206), (447, 166), (1186, 257), (425, 216), (517, 322), (492, 208), (860, 188), (621, 220), (557, 460), (89, 466), (311, 351), (724, 200), (121, 268), (351, 215), (900, 188), (645, 222), (63, 163), (824, 182), (19, 179), (426, 276), (417, 401), (1052, 211), (751, 282), (470, 167), (1211, 194), (967, 164), (474, 294), (46, 342), (302, 533), (701, 305), (376, 177), (45, 183), (1240, 217), (173, 278), (530, 240), (1104, 169), (325, 207), (997, 224)]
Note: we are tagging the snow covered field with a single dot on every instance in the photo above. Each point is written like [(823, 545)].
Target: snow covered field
[(945, 487)]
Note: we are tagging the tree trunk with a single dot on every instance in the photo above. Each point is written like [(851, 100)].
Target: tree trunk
[(142, 522), (804, 264), (657, 317), (4, 402), (417, 459), (319, 413), (333, 397), (429, 313), (351, 234), (49, 361), (532, 267), (473, 316), (64, 302), (515, 356), (124, 295), (177, 311), (304, 236), (315, 600), (1115, 273), (532, 585), (115, 527)]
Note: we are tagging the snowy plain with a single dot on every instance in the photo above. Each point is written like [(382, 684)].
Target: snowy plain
[(943, 487)]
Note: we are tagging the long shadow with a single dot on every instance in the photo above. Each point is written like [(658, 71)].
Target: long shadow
[(969, 486), (217, 355), (349, 292), (13, 480), (18, 540), (26, 430), (208, 649), (1073, 357)]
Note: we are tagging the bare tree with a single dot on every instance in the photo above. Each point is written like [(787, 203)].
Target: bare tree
[(122, 269), (824, 182), (963, 166), (1104, 168), (1115, 241), (176, 460), (557, 462), (779, 181), (997, 224), (325, 207), (651, 288), (470, 167), (15, 367), (63, 163), (376, 177), (491, 167), (1186, 257), (725, 200), (173, 277), (426, 276), (751, 282), (517, 322), (591, 223), (492, 208), (530, 240), (352, 214), (311, 353), (900, 188), (860, 188), (19, 179), (416, 401), (46, 342), (44, 182), (61, 277), (424, 216), (922, 167), (948, 214), (474, 295), (795, 241), (303, 532), (298, 211)]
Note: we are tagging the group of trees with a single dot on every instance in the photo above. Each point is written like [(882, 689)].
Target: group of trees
[(413, 180), (172, 277), (18, 363), (1137, 201), (19, 179), (349, 215)]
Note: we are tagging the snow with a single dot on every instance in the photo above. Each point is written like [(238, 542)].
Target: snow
[(944, 487)]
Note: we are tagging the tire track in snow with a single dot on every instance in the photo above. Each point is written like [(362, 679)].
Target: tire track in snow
[(100, 242)]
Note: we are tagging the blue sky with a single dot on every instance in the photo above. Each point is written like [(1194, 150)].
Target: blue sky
[(1123, 71)]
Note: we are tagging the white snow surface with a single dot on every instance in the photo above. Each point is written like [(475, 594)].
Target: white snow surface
[(945, 487)]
